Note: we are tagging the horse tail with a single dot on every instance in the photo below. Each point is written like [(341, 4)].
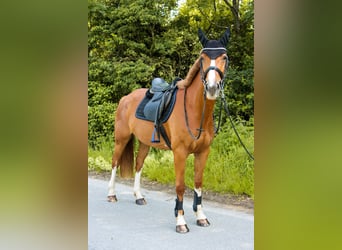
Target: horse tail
[(126, 160)]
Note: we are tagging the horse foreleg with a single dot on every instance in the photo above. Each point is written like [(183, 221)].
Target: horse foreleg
[(179, 160), (200, 160), (197, 207), (142, 153)]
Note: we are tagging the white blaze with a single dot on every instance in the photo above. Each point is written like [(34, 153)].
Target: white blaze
[(212, 83), (212, 75)]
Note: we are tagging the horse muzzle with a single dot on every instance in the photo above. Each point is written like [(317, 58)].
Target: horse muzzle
[(212, 91)]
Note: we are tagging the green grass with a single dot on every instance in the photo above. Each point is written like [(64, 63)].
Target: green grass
[(100, 159), (228, 169)]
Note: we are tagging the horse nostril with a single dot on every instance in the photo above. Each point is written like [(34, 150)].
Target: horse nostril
[(212, 90)]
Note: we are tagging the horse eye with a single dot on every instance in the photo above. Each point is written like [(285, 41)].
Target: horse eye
[(225, 57)]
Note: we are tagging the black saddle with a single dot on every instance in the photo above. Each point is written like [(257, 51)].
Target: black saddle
[(159, 85), (157, 106)]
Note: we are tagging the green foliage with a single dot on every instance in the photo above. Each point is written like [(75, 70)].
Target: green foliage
[(100, 123), (132, 41), (158, 166), (240, 92), (100, 159), (126, 49), (229, 168)]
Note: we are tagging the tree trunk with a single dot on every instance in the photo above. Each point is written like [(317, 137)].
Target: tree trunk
[(234, 8)]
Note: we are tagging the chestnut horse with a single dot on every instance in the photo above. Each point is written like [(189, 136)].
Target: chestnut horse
[(190, 128)]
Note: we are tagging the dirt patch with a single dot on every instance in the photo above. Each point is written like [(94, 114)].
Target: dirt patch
[(236, 202)]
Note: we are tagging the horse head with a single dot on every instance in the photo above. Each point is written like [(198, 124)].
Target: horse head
[(214, 63)]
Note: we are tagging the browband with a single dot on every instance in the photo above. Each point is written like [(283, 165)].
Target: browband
[(213, 53), (220, 48)]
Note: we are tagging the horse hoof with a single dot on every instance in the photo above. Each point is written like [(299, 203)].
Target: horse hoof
[(112, 198), (203, 223), (182, 229), (140, 201)]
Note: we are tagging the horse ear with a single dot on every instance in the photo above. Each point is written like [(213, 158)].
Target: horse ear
[(203, 39), (224, 39)]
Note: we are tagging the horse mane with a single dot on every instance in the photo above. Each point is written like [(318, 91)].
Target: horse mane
[(191, 75)]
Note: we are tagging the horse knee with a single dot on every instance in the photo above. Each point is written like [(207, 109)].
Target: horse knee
[(198, 184), (180, 189)]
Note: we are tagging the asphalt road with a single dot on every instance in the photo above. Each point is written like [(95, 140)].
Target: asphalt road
[(125, 225)]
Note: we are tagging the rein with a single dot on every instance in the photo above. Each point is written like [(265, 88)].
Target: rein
[(200, 129), (223, 99)]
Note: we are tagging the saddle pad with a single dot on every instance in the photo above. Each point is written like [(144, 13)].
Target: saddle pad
[(166, 113)]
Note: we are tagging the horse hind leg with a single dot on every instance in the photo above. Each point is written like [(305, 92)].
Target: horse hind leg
[(142, 153), (120, 147), (111, 197)]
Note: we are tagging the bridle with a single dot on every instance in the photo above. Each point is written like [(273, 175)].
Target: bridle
[(212, 53)]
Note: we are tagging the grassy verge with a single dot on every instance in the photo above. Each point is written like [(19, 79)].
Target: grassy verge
[(100, 159), (228, 169)]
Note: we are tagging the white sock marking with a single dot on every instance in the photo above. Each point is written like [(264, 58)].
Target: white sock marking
[(200, 214), (198, 191), (111, 184), (180, 220), (136, 188)]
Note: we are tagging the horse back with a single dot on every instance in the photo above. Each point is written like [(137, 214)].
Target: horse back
[(126, 122)]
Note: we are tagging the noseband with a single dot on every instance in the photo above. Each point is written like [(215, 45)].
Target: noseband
[(213, 53)]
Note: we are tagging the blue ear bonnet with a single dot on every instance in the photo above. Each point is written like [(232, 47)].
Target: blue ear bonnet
[(213, 48)]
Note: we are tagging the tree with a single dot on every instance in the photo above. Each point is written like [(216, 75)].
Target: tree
[(126, 49), (132, 41), (214, 17)]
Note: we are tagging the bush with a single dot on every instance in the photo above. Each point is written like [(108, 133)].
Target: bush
[(100, 124)]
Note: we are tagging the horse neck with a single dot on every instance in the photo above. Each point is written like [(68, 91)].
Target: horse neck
[(195, 102)]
